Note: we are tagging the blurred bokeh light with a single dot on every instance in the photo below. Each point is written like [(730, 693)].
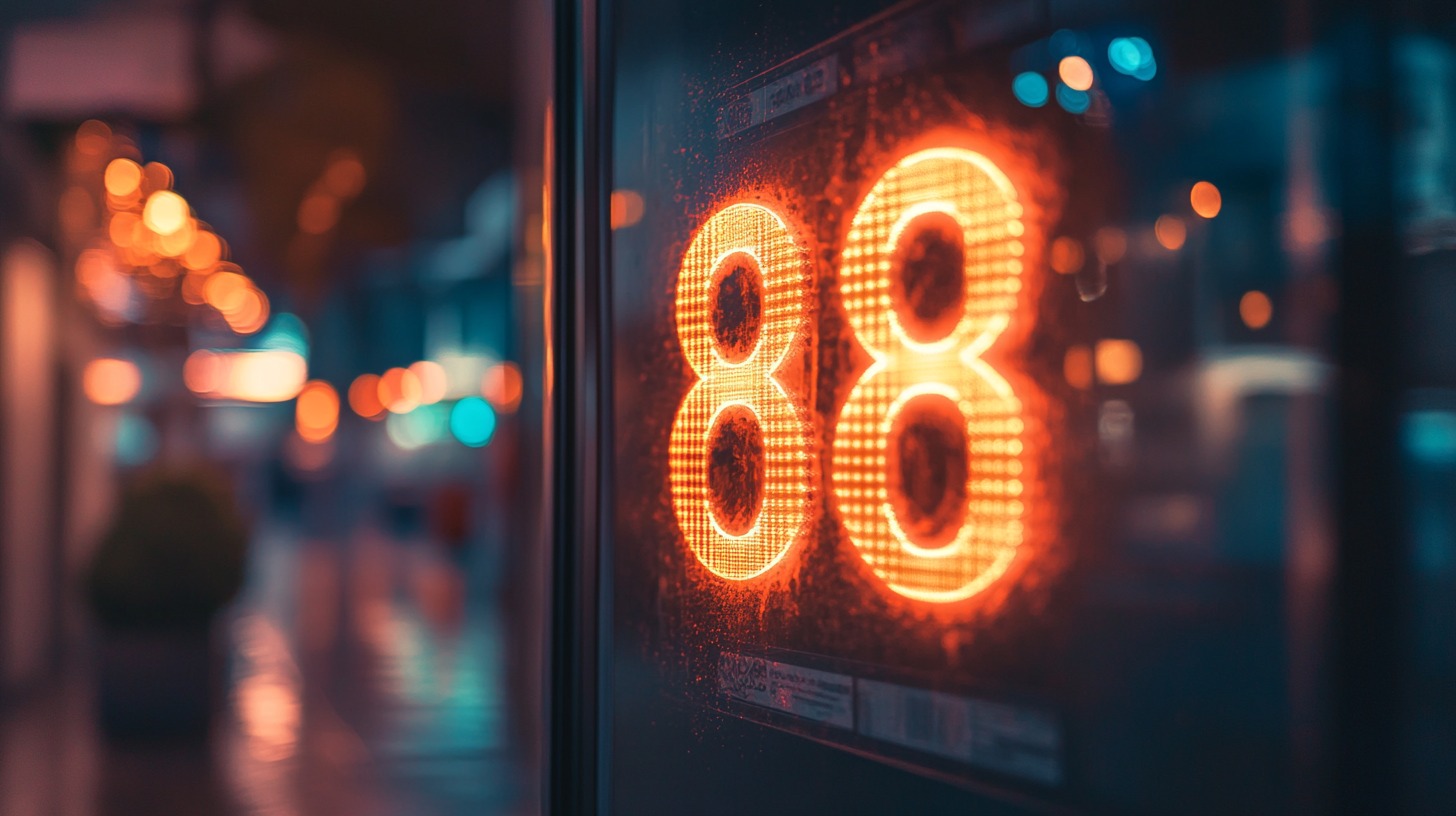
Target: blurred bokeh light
[(109, 381)]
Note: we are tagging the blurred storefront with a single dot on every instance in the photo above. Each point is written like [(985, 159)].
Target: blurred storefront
[(280, 247)]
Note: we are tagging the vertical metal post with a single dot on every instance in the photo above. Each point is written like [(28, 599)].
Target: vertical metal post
[(579, 340)]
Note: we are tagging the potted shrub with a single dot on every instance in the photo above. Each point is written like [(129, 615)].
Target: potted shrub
[(171, 559)]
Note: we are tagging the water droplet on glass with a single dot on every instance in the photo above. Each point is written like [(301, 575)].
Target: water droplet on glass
[(1092, 281)]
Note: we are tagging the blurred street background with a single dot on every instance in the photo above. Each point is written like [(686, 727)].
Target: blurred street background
[(267, 534)]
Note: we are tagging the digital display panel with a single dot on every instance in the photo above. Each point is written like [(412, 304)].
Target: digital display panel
[(843, 426), (928, 459), (907, 339)]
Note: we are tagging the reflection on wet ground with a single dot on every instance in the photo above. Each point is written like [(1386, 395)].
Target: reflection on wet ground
[(362, 679)]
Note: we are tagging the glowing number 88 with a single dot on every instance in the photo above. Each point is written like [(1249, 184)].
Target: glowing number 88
[(928, 459)]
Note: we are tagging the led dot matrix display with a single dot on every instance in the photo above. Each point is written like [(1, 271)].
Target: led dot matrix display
[(931, 275), (750, 244)]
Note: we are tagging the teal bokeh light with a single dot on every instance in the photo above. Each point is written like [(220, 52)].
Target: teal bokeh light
[(419, 428), (1030, 89), (1073, 101), (285, 332), (472, 421), (1132, 56)]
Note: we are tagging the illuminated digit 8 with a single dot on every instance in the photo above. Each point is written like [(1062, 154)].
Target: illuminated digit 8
[(740, 453), (933, 527)]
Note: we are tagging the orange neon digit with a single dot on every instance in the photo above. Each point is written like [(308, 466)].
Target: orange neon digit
[(741, 461), (927, 389)]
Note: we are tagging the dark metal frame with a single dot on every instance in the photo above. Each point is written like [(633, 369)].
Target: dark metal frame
[(576, 778)]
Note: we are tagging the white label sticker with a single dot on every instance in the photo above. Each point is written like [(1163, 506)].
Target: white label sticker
[(1009, 739), (815, 695), (818, 80)]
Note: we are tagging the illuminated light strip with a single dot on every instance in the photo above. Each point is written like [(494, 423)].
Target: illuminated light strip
[(969, 188), (760, 234), (253, 375)]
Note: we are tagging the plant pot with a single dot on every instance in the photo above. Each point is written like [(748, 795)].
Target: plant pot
[(157, 683)]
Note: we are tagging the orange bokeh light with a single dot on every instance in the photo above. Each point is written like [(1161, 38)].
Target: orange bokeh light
[(269, 375), (123, 177), (934, 373), (176, 244), (626, 208), (502, 386), (93, 137), (316, 414), (1171, 232), (364, 396), (1067, 255), (226, 291), (433, 382), (1077, 367), (734, 239), (155, 176), (345, 176), (399, 391), (109, 381), (140, 248), (204, 252), (1119, 362), (123, 228), (1206, 199), (165, 212), (1076, 72), (251, 313), (318, 213), (202, 373), (1255, 309)]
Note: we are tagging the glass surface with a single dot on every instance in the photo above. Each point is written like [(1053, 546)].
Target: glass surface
[(1026, 485)]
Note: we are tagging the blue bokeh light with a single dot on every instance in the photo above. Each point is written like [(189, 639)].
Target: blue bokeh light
[(1030, 89), (1132, 56), (472, 421), (1073, 101)]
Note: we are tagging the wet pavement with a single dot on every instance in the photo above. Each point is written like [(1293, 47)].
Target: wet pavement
[(363, 678)]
